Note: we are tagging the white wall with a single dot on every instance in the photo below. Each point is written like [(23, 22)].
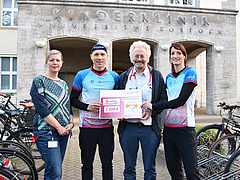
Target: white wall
[(201, 87), (238, 53), (8, 38), (214, 4)]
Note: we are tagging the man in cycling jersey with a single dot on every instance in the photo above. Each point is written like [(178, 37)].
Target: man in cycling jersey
[(94, 131)]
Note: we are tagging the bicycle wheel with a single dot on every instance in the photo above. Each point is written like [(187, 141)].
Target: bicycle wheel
[(21, 163), (207, 135), (6, 174), (233, 164), (17, 146), (25, 135), (222, 150)]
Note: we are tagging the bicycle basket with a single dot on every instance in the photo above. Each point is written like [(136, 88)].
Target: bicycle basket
[(26, 118)]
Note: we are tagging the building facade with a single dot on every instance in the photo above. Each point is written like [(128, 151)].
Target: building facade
[(207, 30)]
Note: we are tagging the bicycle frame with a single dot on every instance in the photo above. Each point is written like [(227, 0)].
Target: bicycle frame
[(8, 105), (6, 121)]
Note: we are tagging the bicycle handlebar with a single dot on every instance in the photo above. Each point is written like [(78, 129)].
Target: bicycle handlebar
[(226, 107), (6, 95)]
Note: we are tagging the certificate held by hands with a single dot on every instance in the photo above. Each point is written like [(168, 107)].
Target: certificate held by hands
[(120, 103)]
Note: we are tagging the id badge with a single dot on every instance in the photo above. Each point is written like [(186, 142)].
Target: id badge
[(52, 144)]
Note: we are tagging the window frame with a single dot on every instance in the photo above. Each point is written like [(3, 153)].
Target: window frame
[(12, 10), (10, 72), (135, 2), (183, 5)]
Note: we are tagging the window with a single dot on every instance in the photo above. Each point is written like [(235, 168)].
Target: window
[(10, 13), (182, 2), (8, 72), (136, 1)]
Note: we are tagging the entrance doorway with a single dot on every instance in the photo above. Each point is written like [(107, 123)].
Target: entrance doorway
[(76, 53), (121, 60), (199, 54)]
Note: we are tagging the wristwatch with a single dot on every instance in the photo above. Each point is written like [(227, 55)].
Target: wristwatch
[(72, 124)]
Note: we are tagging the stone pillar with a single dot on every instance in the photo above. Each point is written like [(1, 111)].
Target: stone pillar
[(163, 63), (209, 81), (108, 45)]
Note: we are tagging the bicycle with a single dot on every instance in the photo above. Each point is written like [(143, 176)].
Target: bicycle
[(8, 105), (223, 150), (207, 135), (6, 174), (23, 135), (17, 146), (19, 163), (23, 117), (23, 126), (233, 165)]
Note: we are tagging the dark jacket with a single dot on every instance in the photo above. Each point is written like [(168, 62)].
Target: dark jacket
[(159, 94)]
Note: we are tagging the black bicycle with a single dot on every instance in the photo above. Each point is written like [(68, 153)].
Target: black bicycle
[(23, 117), (7, 174), (207, 135), (19, 163), (14, 128)]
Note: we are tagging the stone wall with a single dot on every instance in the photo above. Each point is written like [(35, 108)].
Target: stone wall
[(111, 22)]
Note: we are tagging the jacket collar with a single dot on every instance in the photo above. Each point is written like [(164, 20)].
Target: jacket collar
[(129, 69)]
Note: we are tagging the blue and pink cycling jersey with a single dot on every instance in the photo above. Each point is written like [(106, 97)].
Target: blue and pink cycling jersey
[(182, 116), (90, 83)]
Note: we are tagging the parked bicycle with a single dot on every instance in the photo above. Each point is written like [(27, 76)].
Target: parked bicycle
[(217, 143), (207, 135), (18, 163), (23, 117), (233, 165), (15, 127), (6, 174)]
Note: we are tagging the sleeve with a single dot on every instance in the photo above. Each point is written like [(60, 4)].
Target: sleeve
[(160, 90), (122, 80), (77, 83), (74, 101), (71, 111), (186, 91), (191, 76), (38, 99), (116, 78), (190, 82)]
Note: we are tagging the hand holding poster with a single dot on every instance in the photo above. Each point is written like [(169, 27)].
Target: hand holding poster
[(120, 104)]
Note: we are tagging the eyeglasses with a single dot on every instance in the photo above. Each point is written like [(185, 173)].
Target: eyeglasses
[(139, 56)]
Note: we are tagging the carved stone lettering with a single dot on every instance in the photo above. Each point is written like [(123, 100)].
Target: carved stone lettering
[(205, 21), (117, 17), (70, 15), (136, 28), (56, 14), (194, 20), (144, 18), (130, 17), (85, 16), (102, 16), (181, 20)]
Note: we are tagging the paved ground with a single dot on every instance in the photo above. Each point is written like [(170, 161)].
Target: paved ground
[(72, 165)]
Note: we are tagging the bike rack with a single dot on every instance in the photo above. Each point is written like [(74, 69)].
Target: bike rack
[(212, 167)]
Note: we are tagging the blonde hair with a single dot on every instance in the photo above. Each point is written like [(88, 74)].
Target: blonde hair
[(52, 52)]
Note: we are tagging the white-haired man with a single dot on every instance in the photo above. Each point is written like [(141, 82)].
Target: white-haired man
[(146, 130)]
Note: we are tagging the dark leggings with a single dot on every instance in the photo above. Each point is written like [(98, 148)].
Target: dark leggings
[(180, 146), (89, 138)]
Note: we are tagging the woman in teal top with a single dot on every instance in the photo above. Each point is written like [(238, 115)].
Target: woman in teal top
[(53, 119)]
